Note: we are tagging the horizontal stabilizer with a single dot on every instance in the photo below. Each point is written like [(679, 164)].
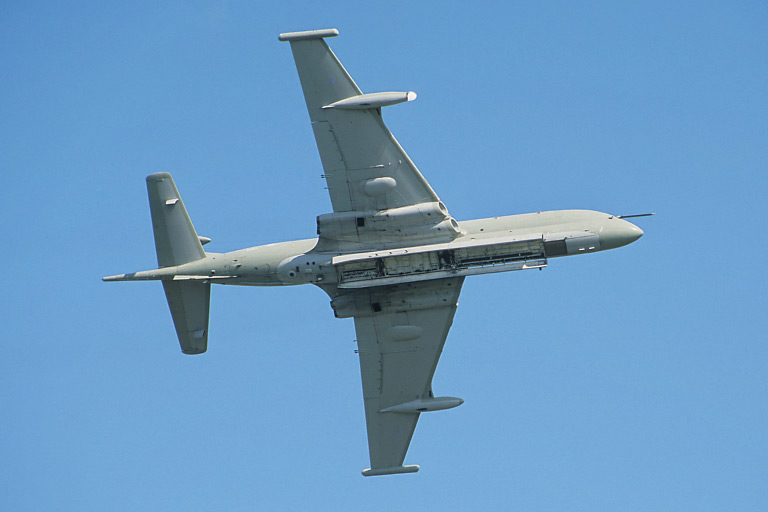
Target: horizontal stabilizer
[(190, 304), (176, 241)]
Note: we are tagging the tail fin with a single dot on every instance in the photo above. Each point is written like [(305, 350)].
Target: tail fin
[(176, 243)]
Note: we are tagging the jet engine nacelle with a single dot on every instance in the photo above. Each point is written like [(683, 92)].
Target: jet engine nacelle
[(418, 221)]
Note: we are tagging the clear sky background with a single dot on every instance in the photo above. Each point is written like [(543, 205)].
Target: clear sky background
[(632, 379)]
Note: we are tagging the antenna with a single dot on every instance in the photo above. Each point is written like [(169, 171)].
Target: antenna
[(636, 215)]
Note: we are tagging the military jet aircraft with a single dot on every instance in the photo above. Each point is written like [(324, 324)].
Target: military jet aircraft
[(390, 256)]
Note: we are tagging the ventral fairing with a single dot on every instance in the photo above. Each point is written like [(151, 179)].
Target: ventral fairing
[(390, 255)]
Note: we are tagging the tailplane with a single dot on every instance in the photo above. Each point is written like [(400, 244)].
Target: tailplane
[(190, 303), (176, 242)]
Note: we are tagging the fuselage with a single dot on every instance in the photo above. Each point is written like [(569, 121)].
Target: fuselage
[(494, 244)]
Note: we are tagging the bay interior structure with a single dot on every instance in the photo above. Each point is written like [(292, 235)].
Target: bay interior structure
[(390, 255)]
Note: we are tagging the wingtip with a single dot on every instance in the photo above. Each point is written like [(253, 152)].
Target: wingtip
[(308, 34), (394, 470)]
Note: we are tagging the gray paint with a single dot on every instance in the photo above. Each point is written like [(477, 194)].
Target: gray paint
[(390, 255)]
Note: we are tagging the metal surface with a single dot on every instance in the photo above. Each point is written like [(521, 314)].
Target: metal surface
[(390, 256)]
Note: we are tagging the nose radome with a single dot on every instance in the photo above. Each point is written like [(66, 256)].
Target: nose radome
[(618, 233)]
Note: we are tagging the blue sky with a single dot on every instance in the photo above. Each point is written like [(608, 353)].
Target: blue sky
[(632, 379)]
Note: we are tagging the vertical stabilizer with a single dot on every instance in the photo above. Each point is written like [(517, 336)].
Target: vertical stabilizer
[(176, 241)]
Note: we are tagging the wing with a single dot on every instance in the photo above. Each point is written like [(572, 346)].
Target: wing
[(365, 167), (401, 331)]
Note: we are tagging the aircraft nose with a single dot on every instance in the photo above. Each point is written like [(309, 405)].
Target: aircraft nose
[(618, 233)]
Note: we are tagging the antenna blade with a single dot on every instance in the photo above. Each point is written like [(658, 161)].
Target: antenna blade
[(636, 215)]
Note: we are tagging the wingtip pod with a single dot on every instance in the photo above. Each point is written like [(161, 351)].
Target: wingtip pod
[(394, 470), (196, 350), (308, 34)]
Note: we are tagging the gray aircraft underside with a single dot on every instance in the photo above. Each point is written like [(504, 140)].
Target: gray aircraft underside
[(390, 255)]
